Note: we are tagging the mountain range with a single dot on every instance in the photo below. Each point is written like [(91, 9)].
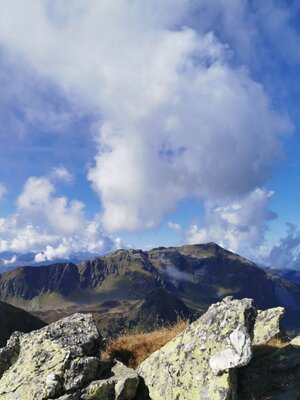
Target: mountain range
[(130, 289)]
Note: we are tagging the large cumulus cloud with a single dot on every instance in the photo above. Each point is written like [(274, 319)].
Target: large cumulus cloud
[(179, 117)]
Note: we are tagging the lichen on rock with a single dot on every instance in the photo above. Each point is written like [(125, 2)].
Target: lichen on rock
[(122, 385), (53, 360), (267, 325), (237, 354), (60, 361), (182, 370)]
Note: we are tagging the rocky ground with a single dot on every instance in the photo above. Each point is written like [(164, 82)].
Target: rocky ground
[(227, 354)]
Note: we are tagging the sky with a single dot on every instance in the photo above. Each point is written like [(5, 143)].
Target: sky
[(145, 124)]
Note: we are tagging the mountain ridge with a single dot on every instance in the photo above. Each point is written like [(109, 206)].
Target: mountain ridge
[(197, 275)]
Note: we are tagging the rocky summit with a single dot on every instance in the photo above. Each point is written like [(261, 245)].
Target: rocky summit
[(218, 357)]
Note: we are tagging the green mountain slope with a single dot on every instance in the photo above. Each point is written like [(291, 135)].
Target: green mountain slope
[(118, 286)]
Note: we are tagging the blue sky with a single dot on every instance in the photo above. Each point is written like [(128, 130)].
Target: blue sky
[(163, 123)]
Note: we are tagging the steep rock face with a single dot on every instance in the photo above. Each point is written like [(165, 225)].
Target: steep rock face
[(198, 275), (15, 319), (199, 362), (202, 274), (29, 282)]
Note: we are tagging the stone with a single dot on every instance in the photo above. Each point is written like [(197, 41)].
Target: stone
[(275, 376), (122, 385), (53, 360), (237, 354), (267, 326), (182, 368), (10, 353)]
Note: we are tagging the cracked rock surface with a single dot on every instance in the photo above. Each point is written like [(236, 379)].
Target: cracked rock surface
[(53, 360), (189, 363), (61, 361), (211, 360), (56, 362), (267, 325)]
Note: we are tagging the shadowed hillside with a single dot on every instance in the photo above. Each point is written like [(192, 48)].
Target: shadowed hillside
[(134, 288), (14, 319)]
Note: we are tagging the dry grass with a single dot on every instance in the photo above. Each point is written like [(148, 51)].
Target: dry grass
[(134, 349), (273, 344), (277, 342)]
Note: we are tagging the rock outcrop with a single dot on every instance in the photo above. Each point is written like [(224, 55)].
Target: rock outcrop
[(199, 363), (59, 362), (215, 358), (267, 326)]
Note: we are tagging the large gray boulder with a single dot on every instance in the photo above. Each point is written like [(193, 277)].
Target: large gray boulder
[(200, 362), (53, 360), (59, 362)]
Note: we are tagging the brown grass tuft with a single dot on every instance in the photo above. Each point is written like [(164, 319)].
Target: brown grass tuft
[(134, 349), (273, 344)]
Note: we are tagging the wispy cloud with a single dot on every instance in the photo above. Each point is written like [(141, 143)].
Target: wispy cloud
[(61, 173), (286, 253), (3, 191)]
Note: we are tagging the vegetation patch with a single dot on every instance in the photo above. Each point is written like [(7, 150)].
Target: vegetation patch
[(133, 349)]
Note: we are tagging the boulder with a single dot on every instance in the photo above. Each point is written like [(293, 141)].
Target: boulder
[(267, 326), (200, 362), (9, 353), (237, 354), (122, 385), (54, 361)]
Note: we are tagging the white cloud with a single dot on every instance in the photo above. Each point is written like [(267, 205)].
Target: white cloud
[(41, 206), (178, 275), (175, 227), (61, 173), (284, 254), (12, 260), (3, 191), (178, 119), (237, 224), (50, 225)]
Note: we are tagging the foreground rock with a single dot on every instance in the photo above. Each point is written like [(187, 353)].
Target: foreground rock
[(122, 385), (211, 360), (275, 376), (267, 326), (200, 362), (58, 361)]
